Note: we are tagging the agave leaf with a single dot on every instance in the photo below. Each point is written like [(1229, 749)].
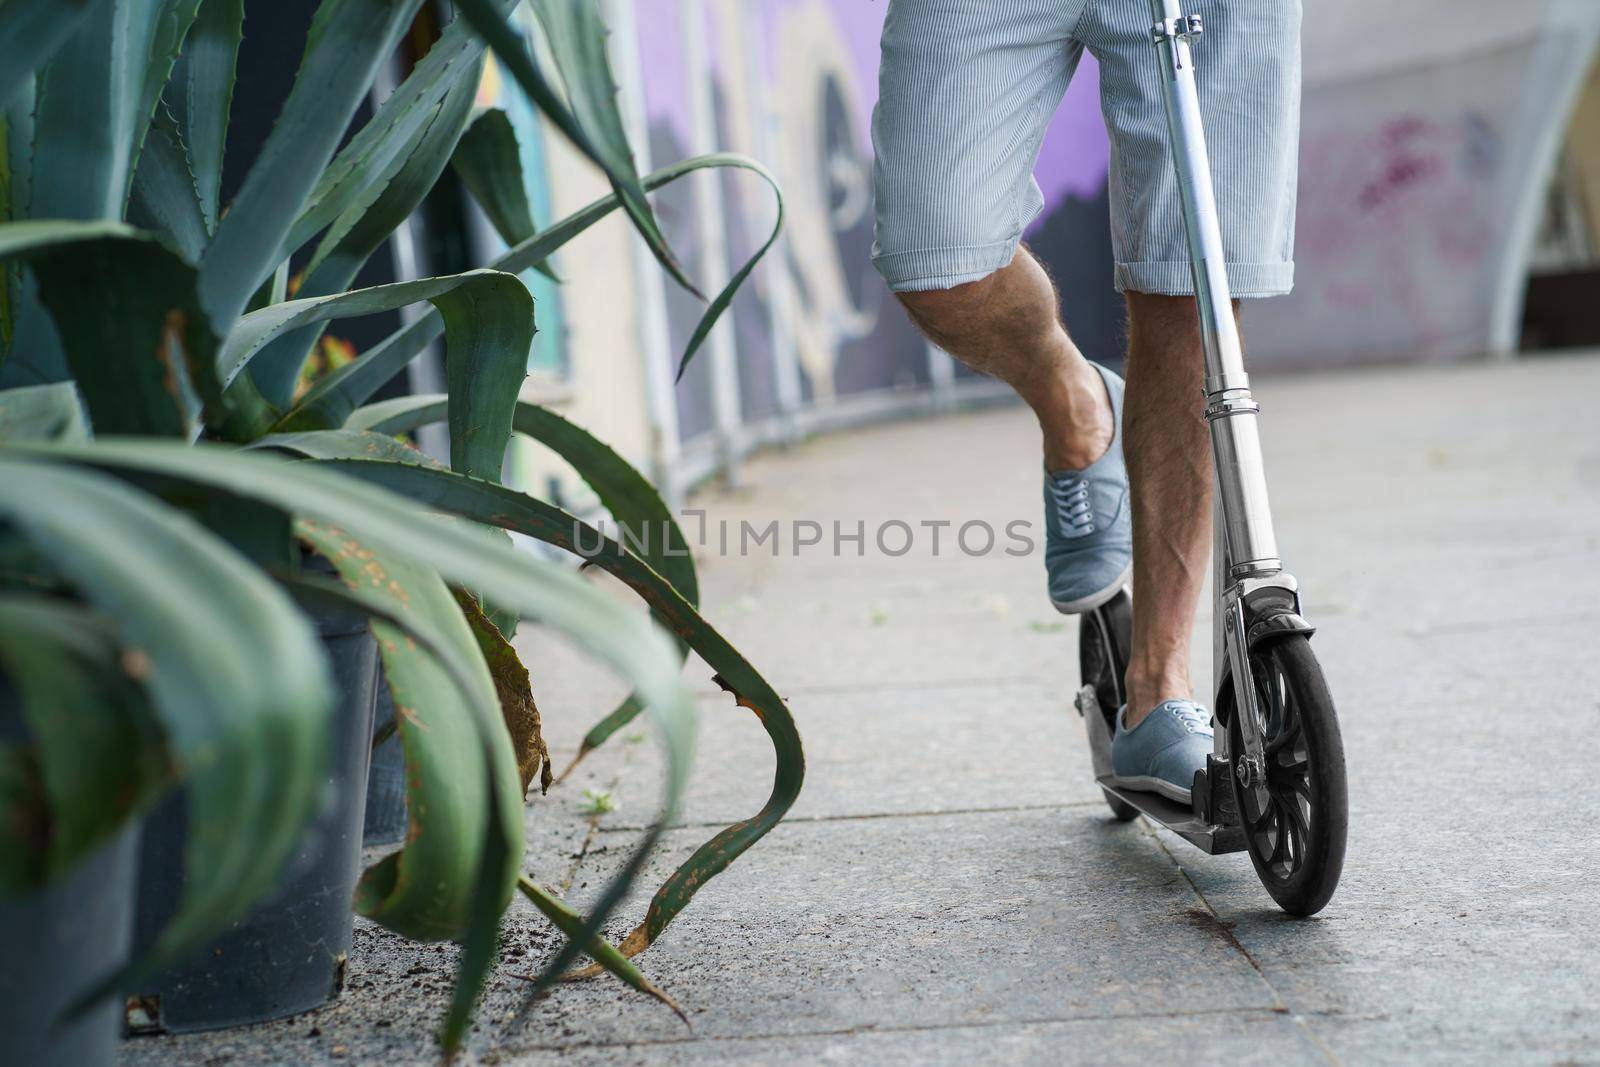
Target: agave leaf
[(170, 23), (314, 591), (401, 414), (655, 535), (577, 39), (262, 533), (34, 355), (593, 124), (515, 693), (392, 127), (490, 166), (724, 297), (353, 444), (200, 93), (487, 503), (569, 921), (390, 199), (489, 163), (488, 318), (536, 589), (355, 383), (345, 444), (16, 157), (31, 33), (425, 891), (652, 531), (165, 197), (234, 674), (357, 444), (347, 42), (41, 413), (100, 754), (18, 295), (125, 310), (93, 87), (360, 230)]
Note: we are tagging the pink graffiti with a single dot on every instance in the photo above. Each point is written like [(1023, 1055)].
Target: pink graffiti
[(1412, 153), (1391, 219)]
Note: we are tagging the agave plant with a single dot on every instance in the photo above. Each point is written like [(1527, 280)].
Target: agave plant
[(132, 296)]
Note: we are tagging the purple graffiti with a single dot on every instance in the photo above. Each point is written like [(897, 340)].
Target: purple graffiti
[(664, 77)]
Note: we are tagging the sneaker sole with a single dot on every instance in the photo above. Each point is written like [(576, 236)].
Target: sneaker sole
[(1150, 784), (1094, 600)]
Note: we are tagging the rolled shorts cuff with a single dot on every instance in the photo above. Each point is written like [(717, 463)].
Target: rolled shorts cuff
[(1173, 279), (944, 268)]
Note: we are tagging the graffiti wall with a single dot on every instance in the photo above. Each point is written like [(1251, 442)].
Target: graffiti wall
[(1429, 136), (793, 83)]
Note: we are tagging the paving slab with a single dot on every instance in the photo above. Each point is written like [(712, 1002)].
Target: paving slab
[(883, 751), (894, 622), (920, 921)]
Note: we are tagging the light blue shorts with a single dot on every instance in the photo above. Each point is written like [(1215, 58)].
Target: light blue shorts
[(967, 88)]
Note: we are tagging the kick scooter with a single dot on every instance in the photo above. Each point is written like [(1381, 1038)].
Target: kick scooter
[(1275, 784)]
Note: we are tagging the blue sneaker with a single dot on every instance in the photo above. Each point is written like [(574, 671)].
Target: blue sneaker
[(1162, 753), (1088, 543)]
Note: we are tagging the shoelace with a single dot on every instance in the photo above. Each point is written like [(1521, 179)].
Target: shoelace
[(1072, 505), (1195, 719)]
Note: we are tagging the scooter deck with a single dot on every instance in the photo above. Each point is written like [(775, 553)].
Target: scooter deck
[(1214, 838)]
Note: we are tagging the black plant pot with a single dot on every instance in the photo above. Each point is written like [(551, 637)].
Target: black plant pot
[(288, 955), (58, 941), (386, 781)]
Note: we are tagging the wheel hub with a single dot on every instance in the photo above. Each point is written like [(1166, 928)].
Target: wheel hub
[(1248, 770)]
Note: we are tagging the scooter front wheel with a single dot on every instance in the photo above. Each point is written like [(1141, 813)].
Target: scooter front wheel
[(1295, 814)]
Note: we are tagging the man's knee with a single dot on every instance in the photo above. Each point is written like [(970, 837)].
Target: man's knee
[(1017, 297), (947, 310)]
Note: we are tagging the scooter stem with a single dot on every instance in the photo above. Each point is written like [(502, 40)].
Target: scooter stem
[(1247, 535)]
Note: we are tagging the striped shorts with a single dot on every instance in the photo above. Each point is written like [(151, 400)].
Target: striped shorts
[(967, 88)]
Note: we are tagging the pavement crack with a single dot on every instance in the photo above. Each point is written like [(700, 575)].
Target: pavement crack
[(1251, 1012), (593, 830), (1206, 918), (792, 820)]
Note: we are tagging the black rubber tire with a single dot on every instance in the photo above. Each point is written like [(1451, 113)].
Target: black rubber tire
[(1103, 667), (1298, 859)]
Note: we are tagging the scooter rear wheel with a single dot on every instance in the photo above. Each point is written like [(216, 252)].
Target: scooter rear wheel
[(1104, 637), (1295, 834)]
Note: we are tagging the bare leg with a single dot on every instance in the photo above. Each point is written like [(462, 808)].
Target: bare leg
[(1168, 449), (1007, 325)]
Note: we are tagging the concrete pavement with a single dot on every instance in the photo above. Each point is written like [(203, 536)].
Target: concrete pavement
[(950, 888)]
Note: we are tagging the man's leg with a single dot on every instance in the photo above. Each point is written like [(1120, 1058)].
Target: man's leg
[(1168, 448), (1006, 325)]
